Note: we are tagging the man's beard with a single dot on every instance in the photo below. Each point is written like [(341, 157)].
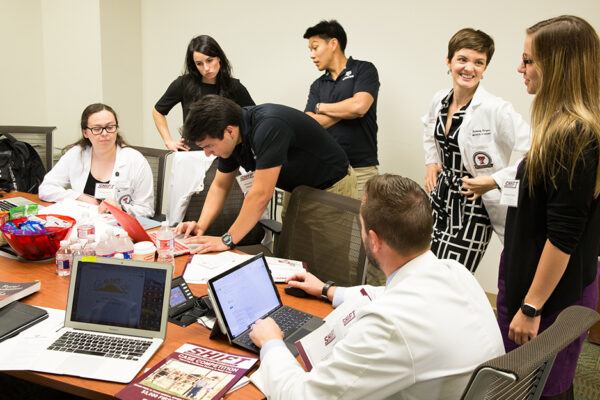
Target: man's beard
[(371, 257)]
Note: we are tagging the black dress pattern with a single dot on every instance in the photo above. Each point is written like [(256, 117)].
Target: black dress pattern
[(461, 227)]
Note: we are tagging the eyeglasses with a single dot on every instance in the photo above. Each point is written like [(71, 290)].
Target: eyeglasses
[(97, 130), (527, 61)]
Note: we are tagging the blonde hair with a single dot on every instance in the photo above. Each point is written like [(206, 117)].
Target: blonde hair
[(565, 114)]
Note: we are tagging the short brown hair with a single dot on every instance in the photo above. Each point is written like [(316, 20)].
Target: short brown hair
[(399, 211), (469, 38)]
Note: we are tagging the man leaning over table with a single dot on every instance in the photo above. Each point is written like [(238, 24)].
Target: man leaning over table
[(282, 147), (420, 337)]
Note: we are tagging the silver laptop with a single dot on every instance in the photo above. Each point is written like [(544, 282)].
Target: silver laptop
[(116, 319), (246, 293)]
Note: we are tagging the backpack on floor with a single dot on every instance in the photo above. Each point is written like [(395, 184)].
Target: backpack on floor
[(21, 167)]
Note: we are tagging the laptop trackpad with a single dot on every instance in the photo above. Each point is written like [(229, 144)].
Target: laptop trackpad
[(80, 366)]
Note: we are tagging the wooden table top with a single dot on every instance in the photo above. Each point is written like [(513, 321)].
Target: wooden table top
[(53, 294)]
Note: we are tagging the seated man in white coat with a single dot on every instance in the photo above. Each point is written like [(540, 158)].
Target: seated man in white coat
[(420, 337)]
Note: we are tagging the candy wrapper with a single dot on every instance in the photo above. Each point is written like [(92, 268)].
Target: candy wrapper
[(23, 211)]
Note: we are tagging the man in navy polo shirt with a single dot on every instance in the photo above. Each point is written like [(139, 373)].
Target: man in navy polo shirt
[(282, 147), (344, 99)]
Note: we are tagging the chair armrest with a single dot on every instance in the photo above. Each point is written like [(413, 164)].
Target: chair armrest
[(271, 225)]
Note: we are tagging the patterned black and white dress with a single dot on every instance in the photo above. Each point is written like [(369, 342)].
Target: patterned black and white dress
[(461, 227)]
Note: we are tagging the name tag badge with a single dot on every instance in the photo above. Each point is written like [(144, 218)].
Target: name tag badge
[(105, 191), (245, 181), (510, 193)]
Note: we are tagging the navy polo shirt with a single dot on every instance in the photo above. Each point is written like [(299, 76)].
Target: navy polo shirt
[(274, 135), (358, 136)]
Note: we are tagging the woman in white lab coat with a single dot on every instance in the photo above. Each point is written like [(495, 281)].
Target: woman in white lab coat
[(100, 166), (469, 137)]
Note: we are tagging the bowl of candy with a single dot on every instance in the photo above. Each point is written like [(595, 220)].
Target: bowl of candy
[(38, 236)]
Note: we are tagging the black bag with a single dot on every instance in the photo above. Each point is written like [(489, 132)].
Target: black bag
[(21, 167)]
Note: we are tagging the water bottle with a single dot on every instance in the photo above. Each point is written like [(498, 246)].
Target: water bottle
[(85, 227), (104, 248), (64, 259), (89, 249), (124, 246), (166, 244), (75, 250)]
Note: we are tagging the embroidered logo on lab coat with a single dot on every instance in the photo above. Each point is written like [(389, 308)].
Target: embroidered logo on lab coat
[(482, 160), (126, 199)]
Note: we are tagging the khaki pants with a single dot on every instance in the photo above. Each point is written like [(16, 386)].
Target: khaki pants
[(363, 174), (345, 186)]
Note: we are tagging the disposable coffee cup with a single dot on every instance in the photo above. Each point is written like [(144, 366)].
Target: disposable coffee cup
[(144, 251)]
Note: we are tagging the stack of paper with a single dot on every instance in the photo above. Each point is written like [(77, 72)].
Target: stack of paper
[(202, 267)]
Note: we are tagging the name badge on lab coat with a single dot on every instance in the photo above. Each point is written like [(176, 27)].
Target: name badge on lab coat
[(245, 181), (105, 191), (510, 193)]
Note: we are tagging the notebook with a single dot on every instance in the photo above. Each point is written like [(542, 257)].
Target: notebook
[(115, 320), (17, 317), (246, 293), (137, 233)]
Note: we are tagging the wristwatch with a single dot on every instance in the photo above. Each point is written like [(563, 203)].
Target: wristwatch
[(317, 108), (226, 238), (326, 288), (530, 311)]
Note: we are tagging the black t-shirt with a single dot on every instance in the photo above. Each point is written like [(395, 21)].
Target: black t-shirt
[(274, 135), (358, 136), (568, 216), (177, 92), (90, 185)]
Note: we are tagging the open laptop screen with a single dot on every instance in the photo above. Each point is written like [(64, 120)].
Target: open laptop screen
[(118, 295), (245, 294)]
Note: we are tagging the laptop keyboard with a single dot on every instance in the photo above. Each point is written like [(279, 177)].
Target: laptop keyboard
[(288, 319), (102, 346), (6, 205)]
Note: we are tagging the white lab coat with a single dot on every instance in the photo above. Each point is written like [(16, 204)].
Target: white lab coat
[(420, 338), (132, 177), (188, 170), (490, 131)]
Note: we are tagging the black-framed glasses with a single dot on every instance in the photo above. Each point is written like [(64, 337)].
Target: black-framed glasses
[(97, 130), (527, 61)]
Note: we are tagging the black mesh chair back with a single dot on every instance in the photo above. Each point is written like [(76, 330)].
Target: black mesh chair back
[(230, 212), (522, 373), (40, 137), (323, 229), (157, 158)]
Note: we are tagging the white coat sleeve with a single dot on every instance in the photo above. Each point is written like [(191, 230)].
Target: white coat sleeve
[(429, 145), (515, 131), (142, 185), (371, 361), (57, 180)]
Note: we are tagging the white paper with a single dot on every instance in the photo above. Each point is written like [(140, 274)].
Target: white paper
[(205, 266), (21, 352)]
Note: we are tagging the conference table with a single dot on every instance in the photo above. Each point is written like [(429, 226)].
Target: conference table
[(53, 294)]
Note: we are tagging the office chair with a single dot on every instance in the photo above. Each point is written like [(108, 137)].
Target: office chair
[(323, 230), (522, 373), (40, 137), (230, 212), (157, 158)]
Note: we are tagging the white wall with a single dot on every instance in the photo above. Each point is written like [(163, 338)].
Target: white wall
[(86, 51)]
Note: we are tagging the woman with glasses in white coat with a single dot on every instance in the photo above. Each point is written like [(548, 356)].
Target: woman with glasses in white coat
[(469, 137), (100, 166)]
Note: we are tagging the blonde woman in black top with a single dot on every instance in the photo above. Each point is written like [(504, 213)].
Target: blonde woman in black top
[(550, 259)]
